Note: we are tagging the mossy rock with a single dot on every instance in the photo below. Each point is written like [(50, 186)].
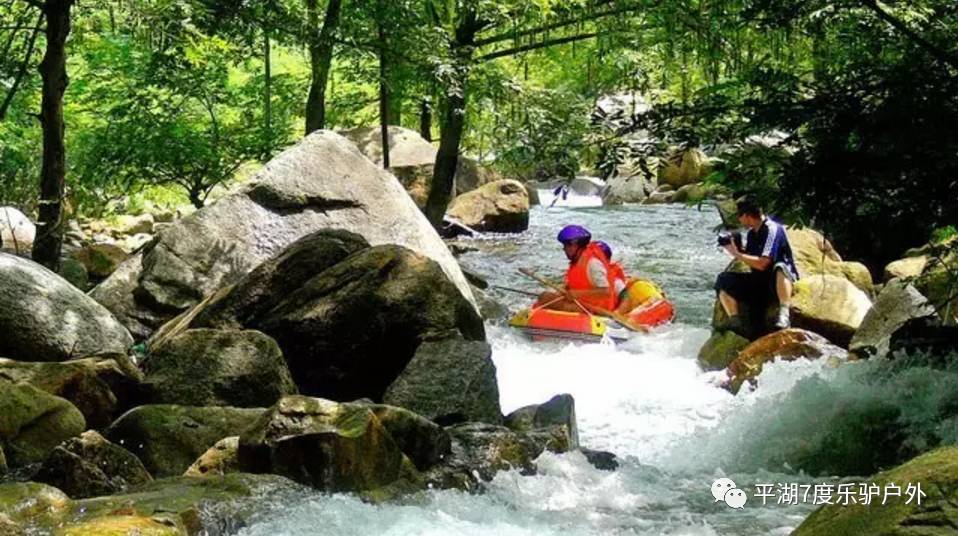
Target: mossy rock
[(222, 458), (24, 503), (324, 444), (169, 438), (936, 471), (126, 525), (209, 367), (33, 422), (721, 349)]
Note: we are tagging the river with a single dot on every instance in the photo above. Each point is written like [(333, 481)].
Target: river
[(673, 429)]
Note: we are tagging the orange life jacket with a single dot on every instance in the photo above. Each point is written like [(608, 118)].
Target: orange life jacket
[(617, 273), (577, 277)]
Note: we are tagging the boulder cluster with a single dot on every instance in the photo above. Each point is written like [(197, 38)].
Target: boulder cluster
[(309, 329)]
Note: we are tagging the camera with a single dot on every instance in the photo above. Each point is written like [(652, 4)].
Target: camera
[(725, 238)]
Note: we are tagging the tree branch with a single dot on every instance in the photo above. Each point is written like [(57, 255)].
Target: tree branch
[(932, 49), (506, 36), (21, 72), (534, 46)]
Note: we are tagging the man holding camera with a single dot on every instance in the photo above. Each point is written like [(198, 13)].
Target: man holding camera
[(768, 254)]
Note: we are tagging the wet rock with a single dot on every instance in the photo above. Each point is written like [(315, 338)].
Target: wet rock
[(424, 442), (557, 411), (600, 459), (787, 345), (222, 458), (101, 260), (17, 232), (183, 505), (99, 387), (479, 451), (169, 438), (45, 318), (449, 381), (26, 504), (830, 306), (33, 423), (659, 197), (937, 474), (896, 304), (324, 444), (499, 207), (300, 191), (207, 367), (91, 466), (721, 349)]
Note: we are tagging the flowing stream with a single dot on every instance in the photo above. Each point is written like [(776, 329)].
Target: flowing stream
[(647, 401)]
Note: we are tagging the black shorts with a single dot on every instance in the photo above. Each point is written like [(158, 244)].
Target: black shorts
[(750, 287)]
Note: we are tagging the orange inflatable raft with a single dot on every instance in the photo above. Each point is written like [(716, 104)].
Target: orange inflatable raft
[(654, 309)]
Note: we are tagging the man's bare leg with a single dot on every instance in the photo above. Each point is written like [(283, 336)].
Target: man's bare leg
[(783, 288), (728, 303)]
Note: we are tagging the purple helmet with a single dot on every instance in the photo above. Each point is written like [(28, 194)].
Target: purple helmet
[(571, 233), (605, 249)]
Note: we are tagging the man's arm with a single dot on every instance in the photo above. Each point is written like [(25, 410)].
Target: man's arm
[(760, 263)]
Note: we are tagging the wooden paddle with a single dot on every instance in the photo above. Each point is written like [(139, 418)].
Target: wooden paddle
[(618, 317)]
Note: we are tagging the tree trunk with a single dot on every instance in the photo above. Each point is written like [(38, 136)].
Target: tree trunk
[(383, 97), (53, 70), (451, 129), (320, 58), (425, 120)]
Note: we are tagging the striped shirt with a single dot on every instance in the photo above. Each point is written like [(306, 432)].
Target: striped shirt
[(771, 241)]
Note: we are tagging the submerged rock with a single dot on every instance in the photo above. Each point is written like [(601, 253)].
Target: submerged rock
[(787, 345), (481, 450), (45, 318), (937, 474), (330, 446), (321, 182), (558, 411), (25, 504), (91, 466), (600, 459), (207, 367), (169, 438), (449, 382), (33, 423)]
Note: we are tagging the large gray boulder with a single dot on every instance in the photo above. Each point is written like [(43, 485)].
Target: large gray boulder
[(347, 330), (169, 438), (17, 232), (209, 367), (321, 182), (896, 304), (412, 160), (45, 318), (449, 382)]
